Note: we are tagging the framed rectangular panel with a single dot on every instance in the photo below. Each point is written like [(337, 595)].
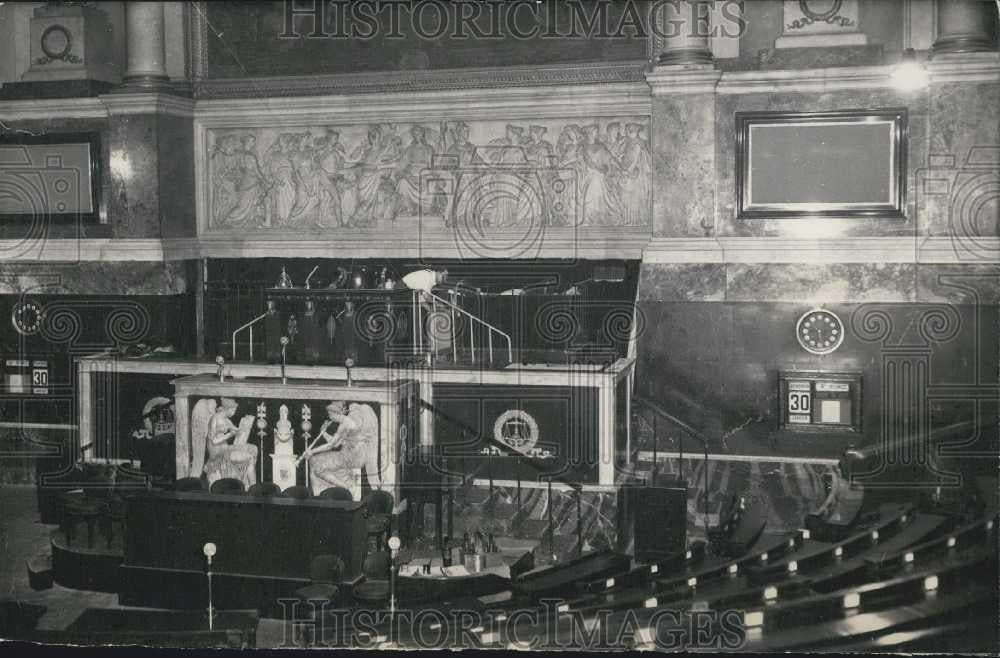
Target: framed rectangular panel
[(54, 177), (842, 164)]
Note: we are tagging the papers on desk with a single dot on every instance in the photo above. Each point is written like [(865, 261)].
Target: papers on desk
[(416, 570)]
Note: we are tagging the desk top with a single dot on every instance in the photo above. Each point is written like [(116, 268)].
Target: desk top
[(387, 392)]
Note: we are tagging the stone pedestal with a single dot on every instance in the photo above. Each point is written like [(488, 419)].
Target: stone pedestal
[(283, 470), (70, 43)]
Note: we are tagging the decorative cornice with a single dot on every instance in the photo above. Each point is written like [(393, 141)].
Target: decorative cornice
[(683, 79), (423, 80), (77, 250), (596, 244), (148, 103), (563, 244), (52, 108), (964, 67), (620, 99), (802, 80), (926, 250)]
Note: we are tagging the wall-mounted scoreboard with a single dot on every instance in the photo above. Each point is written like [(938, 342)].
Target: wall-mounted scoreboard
[(816, 400)]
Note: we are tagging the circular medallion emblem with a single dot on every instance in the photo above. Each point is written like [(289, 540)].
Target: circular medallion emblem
[(517, 429), (26, 317), (819, 331), (56, 42)]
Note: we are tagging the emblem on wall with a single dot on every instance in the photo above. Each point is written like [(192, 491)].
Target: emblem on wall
[(819, 331), (517, 429)]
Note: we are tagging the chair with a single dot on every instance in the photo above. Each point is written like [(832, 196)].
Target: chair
[(264, 490), (230, 486), (114, 513), (326, 572), (336, 493), (374, 589), (76, 507), (189, 484), (379, 506), (298, 492)]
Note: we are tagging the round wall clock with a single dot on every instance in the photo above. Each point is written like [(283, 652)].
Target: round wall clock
[(819, 331), (26, 317)]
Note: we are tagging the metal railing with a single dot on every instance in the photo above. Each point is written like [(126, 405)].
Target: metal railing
[(661, 413), (249, 327), (455, 308), (521, 458)]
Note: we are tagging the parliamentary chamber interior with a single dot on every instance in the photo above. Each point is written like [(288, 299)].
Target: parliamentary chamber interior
[(686, 307)]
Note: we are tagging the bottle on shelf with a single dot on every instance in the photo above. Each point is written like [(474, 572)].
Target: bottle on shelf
[(446, 552)]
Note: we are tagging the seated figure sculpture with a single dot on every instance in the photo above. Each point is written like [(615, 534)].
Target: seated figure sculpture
[(354, 446), (211, 431)]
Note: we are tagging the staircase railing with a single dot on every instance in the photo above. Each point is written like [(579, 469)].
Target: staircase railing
[(247, 326), (661, 413), (490, 330), (521, 458)]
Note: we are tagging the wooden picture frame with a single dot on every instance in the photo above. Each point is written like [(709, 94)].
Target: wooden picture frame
[(842, 164), (52, 178)]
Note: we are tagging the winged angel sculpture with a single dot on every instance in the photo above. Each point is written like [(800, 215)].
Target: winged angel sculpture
[(353, 447), (211, 432)]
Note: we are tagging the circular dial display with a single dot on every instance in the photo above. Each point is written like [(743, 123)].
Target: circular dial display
[(27, 318), (819, 331)]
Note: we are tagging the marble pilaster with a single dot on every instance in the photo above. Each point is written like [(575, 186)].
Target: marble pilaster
[(964, 26), (144, 26)]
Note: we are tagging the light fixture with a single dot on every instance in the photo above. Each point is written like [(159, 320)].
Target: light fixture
[(770, 593), (852, 600), (609, 583), (734, 569), (951, 542), (909, 74), (753, 618), (793, 566), (908, 557), (930, 583), (649, 603)]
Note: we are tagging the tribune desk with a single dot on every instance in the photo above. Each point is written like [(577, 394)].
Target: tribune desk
[(394, 401), (264, 547), (107, 381)]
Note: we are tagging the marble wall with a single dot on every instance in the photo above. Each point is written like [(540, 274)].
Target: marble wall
[(711, 353)]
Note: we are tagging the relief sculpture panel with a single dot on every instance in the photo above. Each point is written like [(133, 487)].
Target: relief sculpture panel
[(488, 176)]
